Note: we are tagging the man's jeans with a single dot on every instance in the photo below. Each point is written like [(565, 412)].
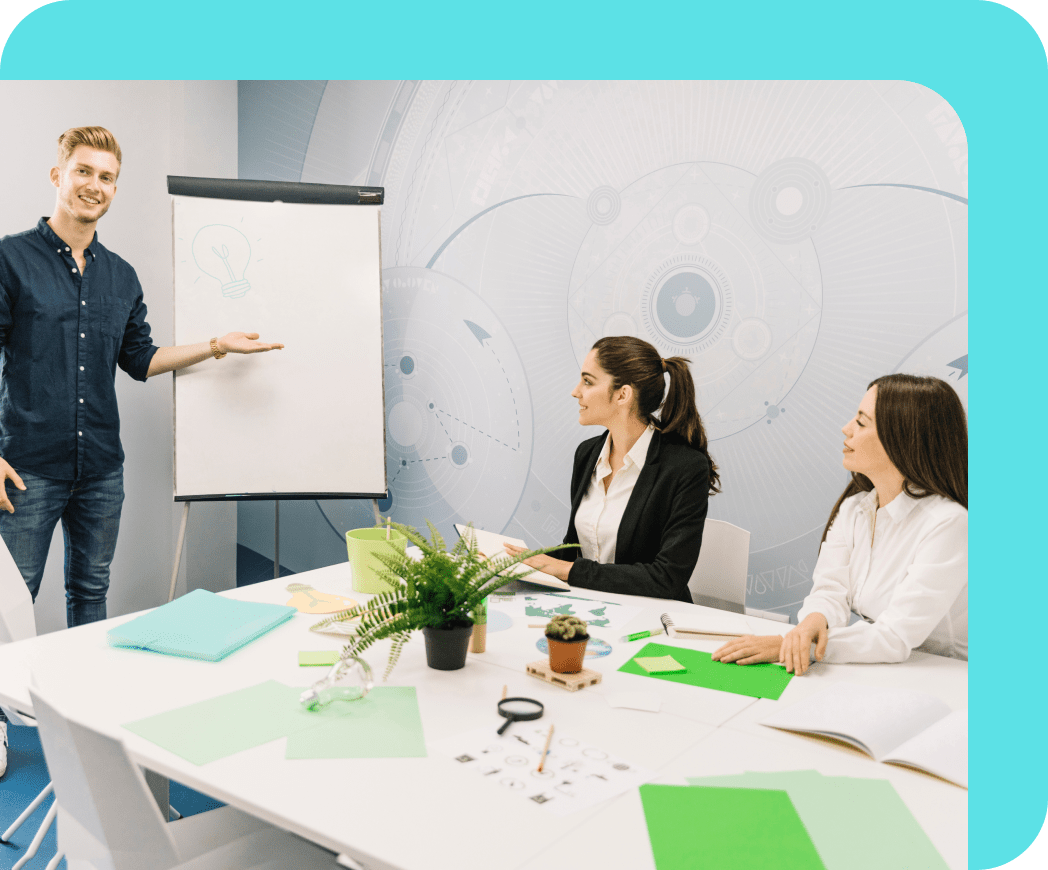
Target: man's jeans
[(90, 515)]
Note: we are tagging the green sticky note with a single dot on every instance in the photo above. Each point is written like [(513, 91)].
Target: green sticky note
[(383, 724), (660, 664), (222, 726), (841, 812), (696, 828), (317, 659), (757, 681)]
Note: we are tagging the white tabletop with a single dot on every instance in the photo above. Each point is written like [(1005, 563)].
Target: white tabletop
[(363, 806)]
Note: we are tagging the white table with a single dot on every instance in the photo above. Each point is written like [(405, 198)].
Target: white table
[(425, 813)]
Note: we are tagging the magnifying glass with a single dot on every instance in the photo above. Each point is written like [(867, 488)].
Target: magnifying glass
[(519, 710)]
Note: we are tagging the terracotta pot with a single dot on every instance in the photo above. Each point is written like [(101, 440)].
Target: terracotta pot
[(565, 656), (446, 647)]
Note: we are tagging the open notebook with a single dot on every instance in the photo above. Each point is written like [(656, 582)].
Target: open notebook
[(200, 625), (491, 544), (897, 726)]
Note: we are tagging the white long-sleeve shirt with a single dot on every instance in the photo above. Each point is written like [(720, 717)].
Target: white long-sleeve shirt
[(600, 513), (904, 569)]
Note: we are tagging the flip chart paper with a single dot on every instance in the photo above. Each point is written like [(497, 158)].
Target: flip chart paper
[(383, 724), (700, 828), (213, 729), (757, 681), (841, 812)]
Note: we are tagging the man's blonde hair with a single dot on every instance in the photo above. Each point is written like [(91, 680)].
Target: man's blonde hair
[(94, 137)]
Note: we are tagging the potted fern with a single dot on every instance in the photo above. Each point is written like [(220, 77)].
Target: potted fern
[(438, 594), (567, 637)]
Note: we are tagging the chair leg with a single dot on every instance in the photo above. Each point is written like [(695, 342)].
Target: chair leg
[(29, 810), (53, 863), (38, 839)]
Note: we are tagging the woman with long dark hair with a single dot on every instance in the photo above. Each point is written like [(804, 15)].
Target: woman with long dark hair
[(895, 548), (639, 492)]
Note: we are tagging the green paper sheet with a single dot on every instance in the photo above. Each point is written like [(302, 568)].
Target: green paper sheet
[(697, 828), (757, 681), (660, 664), (383, 724), (848, 818), (222, 726), (309, 659)]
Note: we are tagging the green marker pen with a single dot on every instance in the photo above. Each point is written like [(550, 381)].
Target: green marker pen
[(639, 635)]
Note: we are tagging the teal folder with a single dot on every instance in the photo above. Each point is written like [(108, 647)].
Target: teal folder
[(200, 625)]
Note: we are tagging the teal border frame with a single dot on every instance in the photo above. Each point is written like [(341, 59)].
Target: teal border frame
[(981, 57)]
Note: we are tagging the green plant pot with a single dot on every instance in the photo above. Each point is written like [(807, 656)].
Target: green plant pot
[(362, 544), (446, 647)]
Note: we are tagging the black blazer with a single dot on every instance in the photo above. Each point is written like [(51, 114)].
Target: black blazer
[(661, 530)]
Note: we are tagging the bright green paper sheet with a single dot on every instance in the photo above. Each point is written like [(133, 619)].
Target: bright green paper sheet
[(697, 828), (228, 724), (314, 659), (848, 819), (757, 681), (660, 664), (383, 724)]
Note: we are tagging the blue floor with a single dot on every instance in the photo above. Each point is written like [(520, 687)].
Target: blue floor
[(27, 775)]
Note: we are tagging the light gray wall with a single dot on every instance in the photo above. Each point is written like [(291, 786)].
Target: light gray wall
[(794, 240), (163, 128)]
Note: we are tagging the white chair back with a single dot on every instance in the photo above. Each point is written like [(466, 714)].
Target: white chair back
[(107, 817), (720, 573), (17, 621)]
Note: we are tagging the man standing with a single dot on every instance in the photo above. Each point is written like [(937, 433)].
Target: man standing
[(70, 312)]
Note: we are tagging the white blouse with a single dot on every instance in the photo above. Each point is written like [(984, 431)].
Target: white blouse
[(904, 569), (600, 513)]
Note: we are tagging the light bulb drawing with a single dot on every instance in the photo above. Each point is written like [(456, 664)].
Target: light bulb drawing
[(224, 253)]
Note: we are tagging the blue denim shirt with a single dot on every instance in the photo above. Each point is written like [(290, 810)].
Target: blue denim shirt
[(62, 335)]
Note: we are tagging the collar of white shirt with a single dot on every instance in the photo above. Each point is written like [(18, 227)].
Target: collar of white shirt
[(897, 509), (636, 456)]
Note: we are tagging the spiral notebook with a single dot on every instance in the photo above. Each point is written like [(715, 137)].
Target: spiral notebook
[(710, 622), (200, 625)]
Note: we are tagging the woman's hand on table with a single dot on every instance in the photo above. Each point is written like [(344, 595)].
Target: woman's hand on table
[(796, 646), (750, 649), (559, 568)]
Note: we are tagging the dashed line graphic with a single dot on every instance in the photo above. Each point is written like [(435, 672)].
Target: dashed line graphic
[(474, 428)]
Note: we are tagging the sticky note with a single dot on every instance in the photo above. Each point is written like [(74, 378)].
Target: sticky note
[(307, 659), (660, 664)]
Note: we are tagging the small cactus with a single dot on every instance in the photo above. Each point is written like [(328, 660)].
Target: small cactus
[(566, 628)]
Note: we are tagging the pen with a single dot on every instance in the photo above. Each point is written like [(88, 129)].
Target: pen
[(545, 749), (640, 634)]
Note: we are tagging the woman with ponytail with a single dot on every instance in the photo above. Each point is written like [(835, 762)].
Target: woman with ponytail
[(639, 491), (895, 548)]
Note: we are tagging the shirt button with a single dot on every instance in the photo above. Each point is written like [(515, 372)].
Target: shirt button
[(80, 434), (81, 335), (74, 271), (81, 401), (82, 302), (81, 368), (67, 248)]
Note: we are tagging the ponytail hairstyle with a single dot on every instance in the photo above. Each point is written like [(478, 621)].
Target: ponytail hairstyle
[(923, 428), (634, 362)]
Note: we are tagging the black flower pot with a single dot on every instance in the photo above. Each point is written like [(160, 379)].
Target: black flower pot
[(446, 647)]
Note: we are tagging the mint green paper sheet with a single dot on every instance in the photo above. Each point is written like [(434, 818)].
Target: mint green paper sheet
[(697, 828), (757, 681), (200, 625), (383, 724), (317, 658), (213, 729), (856, 824)]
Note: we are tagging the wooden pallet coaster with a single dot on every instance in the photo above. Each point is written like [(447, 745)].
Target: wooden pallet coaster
[(571, 682)]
